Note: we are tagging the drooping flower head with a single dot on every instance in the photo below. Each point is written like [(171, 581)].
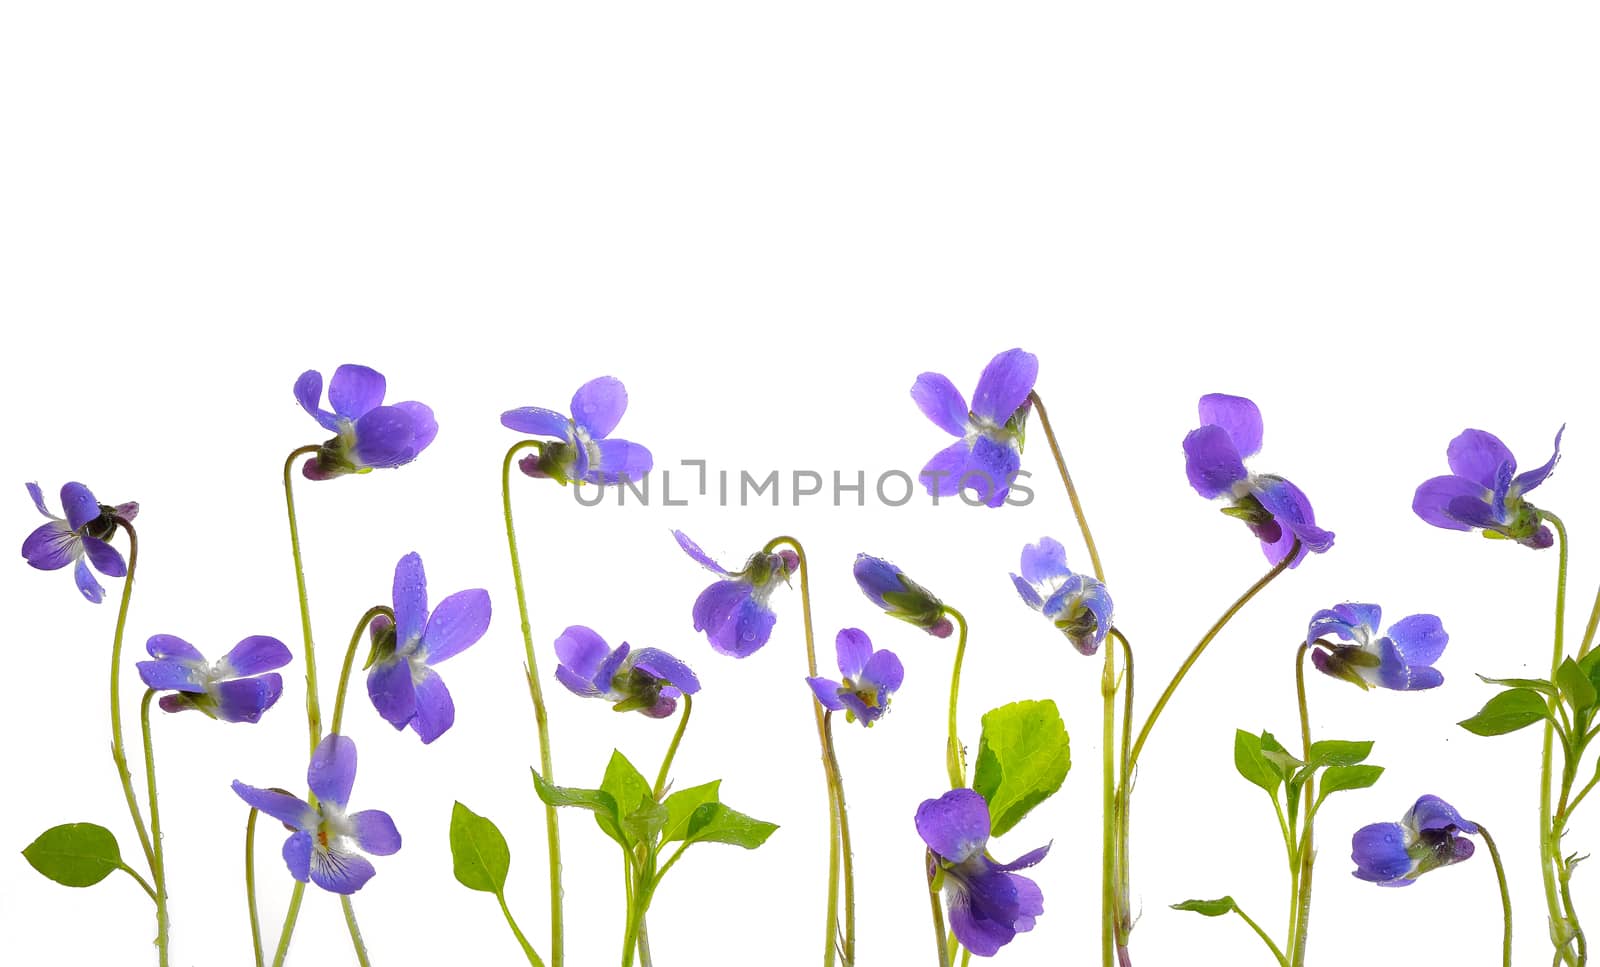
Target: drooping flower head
[(989, 902), (368, 434), (870, 678), (401, 681), (82, 538), (320, 849), (733, 612), (988, 450), (237, 687), (1428, 837), (1077, 604), (582, 452), (1402, 659), (645, 680), (1485, 491), (888, 587), (1277, 512)]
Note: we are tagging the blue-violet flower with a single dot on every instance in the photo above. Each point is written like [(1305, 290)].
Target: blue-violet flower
[(989, 902), (237, 687), (368, 434), (647, 680), (582, 453), (870, 678), (733, 612), (989, 437), (888, 587), (1485, 491), (82, 538), (1402, 659), (1077, 604), (1395, 854)]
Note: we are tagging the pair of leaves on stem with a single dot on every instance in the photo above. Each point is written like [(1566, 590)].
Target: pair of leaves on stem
[(1264, 761), (1526, 700), (1023, 758)]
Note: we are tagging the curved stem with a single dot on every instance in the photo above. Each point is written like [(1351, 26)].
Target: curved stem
[(1262, 934), (1549, 846), (527, 948), (541, 720), (938, 913), (1108, 798), (1199, 649), (118, 755), (955, 753), (824, 739), (1122, 916), (313, 702), (1301, 915), (1589, 629), (143, 883), (849, 954), (250, 886), (349, 662), (355, 931), (159, 868), (1066, 479), (672, 749), (1505, 894)]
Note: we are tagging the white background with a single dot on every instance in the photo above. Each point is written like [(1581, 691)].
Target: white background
[(1378, 221)]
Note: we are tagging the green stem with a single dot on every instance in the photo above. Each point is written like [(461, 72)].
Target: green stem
[(250, 886), (1589, 629), (1262, 934), (296, 896), (349, 663), (355, 931), (541, 720), (1549, 846), (955, 753), (527, 948), (938, 913), (119, 756), (159, 868), (143, 883), (672, 749), (1505, 894), (1108, 798), (1122, 916), (824, 740), (837, 774), (1301, 916), (1066, 479)]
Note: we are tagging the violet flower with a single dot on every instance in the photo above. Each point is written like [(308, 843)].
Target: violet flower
[(1485, 491), (82, 538), (988, 448), (870, 678), (402, 684), (234, 688), (1428, 837), (1402, 659), (368, 434), (1276, 511), (582, 453), (989, 902), (1077, 604), (320, 849), (647, 680), (888, 587), (733, 612)]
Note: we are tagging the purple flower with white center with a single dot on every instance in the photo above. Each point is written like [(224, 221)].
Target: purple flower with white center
[(1395, 854), (988, 450), (1402, 659), (989, 902), (733, 612), (369, 434), (1277, 512), (647, 680), (82, 538), (402, 684), (1077, 604), (888, 587), (320, 850), (582, 452), (870, 678), (237, 687), (1485, 491)]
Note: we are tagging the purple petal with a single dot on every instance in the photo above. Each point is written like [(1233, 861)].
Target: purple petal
[(827, 692), (257, 654), (279, 805), (658, 664), (245, 699), (90, 588), (1030, 902), (1292, 509), (1044, 560), (375, 832), (693, 550), (340, 871), (79, 505), (410, 599), (38, 500), (389, 686), (1433, 813), (981, 934), (716, 603), (1005, 385), (1030, 858), (608, 670), (51, 546), (1478, 456), (333, 770), (666, 704), (536, 421), (956, 825), (1533, 478), (128, 510), (355, 391), (853, 648), (1420, 638), (747, 629), (941, 402), (436, 712), (1030, 597), (1212, 461), (173, 647), (598, 406), (991, 470), (1240, 417), (1392, 669), (942, 475), (1379, 852), (618, 460), (457, 623), (297, 855), (867, 714), (177, 675), (104, 557), (883, 672), (1474, 512), (578, 685), (1434, 497), (308, 390), (423, 426), (385, 437), (582, 651)]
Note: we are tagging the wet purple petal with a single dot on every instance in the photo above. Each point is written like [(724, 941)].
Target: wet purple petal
[(658, 664), (827, 692), (333, 770), (87, 585), (105, 558), (693, 550), (1238, 416), (1044, 560), (598, 405), (410, 593), (340, 871), (1212, 461), (456, 624), (245, 699), (942, 475), (355, 390), (308, 390), (279, 805), (257, 654), (582, 651), (375, 832), (853, 648), (392, 693), (1434, 497), (1478, 456), (941, 402), (1005, 385), (436, 711), (79, 505), (956, 825), (536, 421), (51, 546)]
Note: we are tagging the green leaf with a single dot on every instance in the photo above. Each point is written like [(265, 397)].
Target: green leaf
[(597, 801), (1336, 752), (645, 822), (713, 822), (1254, 766), (76, 854), (1575, 686), (482, 858), (1537, 684), (1507, 712), (1274, 752), (1023, 757), (681, 806), (1341, 778), (630, 790), (1208, 908)]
